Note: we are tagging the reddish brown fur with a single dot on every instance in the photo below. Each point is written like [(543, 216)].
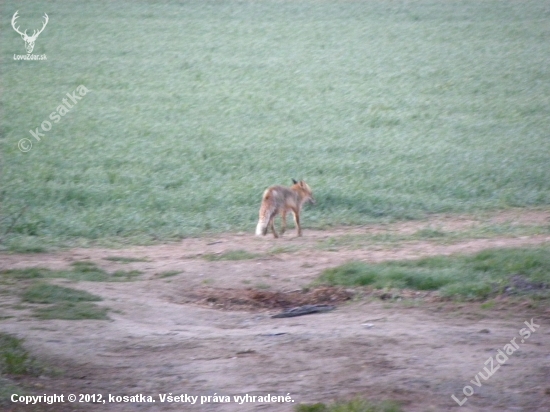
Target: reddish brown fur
[(280, 200)]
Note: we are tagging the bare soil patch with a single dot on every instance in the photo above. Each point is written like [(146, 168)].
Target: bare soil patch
[(189, 325)]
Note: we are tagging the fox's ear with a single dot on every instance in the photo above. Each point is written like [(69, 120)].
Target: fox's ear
[(294, 181)]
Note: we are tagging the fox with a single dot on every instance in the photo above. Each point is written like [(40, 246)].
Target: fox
[(280, 200)]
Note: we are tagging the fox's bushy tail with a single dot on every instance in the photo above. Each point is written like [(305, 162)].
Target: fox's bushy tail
[(266, 211), (261, 228)]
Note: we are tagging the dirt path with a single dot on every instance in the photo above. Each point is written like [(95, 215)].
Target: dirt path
[(162, 339)]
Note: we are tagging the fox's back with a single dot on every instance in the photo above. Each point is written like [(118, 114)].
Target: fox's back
[(280, 196)]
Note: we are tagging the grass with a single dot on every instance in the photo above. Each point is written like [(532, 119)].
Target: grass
[(125, 275), (15, 362), (25, 246), (282, 249), (80, 271), (388, 110), (230, 255), (8, 388), (14, 358), (169, 273), (47, 293), (27, 273), (123, 259), (479, 276), (357, 405), (482, 230), (63, 303), (72, 311)]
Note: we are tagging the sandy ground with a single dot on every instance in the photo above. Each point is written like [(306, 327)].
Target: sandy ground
[(191, 333)]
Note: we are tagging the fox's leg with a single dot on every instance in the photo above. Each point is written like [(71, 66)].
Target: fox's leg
[(296, 214), (272, 226), (283, 218)]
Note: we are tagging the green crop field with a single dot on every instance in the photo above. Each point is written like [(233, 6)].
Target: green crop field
[(388, 109)]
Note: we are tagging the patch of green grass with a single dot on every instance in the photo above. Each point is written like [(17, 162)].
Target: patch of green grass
[(126, 274), (123, 259), (494, 230), (80, 271), (357, 405), (27, 273), (429, 233), (282, 249), (47, 293), (22, 248), (14, 358), (360, 241), (15, 361), (89, 271), (483, 230), (8, 388), (84, 270), (230, 255), (63, 303), (387, 112), (465, 276), (72, 311)]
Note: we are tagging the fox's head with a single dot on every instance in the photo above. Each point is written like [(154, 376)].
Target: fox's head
[(305, 191)]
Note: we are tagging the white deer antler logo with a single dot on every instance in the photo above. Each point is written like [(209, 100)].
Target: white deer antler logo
[(29, 40)]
